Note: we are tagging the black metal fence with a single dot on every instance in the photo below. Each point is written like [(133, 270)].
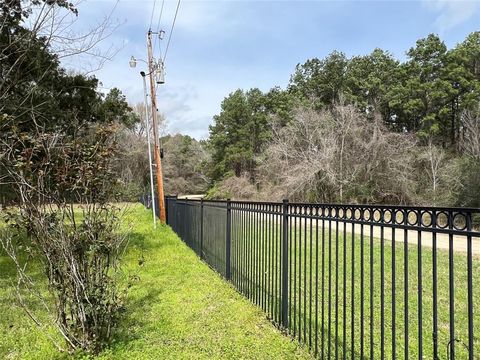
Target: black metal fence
[(349, 281)]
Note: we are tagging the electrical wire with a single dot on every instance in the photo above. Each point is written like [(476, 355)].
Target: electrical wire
[(160, 16), (153, 13), (158, 30), (171, 31)]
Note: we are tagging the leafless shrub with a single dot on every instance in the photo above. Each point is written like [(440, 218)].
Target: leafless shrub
[(78, 246), (183, 164), (131, 166), (340, 155), (238, 188), (470, 139), (438, 175), (469, 194)]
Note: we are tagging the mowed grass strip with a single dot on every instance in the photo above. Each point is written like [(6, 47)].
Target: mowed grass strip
[(178, 308)]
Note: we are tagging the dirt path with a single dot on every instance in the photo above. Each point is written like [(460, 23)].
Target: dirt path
[(459, 242)]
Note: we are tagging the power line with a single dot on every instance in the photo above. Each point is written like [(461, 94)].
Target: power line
[(158, 29), (171, 31), (160, 16), (153, 12)]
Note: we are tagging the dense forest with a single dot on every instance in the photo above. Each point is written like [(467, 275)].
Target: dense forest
[(363, 129)]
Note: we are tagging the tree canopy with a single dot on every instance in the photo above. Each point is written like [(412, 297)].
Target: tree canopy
[(426, 96)]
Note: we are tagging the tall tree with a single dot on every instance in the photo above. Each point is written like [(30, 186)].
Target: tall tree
[(435, 86), (462, 69), (184, 163), (320, 81), (238, 134), (281, 103), (421, 97), (368, 80)]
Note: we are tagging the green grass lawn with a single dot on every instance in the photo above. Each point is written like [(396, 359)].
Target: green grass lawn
[(177, 309)]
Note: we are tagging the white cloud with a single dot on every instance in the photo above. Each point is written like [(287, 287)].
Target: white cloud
[(452, 12)]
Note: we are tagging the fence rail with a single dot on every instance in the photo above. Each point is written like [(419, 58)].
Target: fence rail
[(349, 281)]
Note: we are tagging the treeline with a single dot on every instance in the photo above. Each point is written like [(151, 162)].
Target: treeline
[(183, 164), (363, 129)]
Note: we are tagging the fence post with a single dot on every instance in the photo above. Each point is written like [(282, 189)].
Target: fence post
[(185, 217), (176, 215), (201, 228), (228, 240), (166, 209), (285, 265)]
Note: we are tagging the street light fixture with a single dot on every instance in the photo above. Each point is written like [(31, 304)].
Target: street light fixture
[(133, 62)]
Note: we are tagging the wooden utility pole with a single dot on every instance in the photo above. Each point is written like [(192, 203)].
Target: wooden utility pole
[(158, 160)]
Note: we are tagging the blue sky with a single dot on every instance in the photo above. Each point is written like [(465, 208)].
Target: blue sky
[(219, 46)]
